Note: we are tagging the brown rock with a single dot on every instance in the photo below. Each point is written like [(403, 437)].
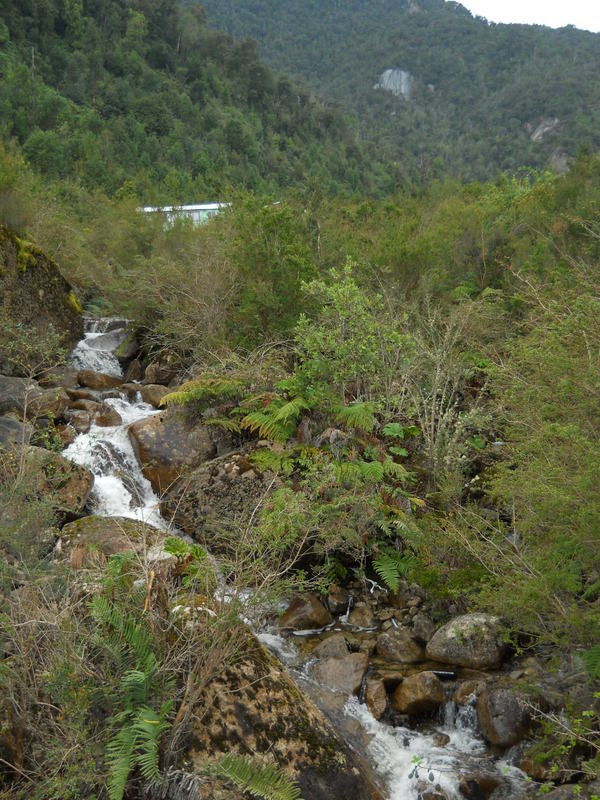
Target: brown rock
[(158, 372), (399, 644), (98, 380), (478, 786), (503, 718), (376, 696), (91, 540), (422, 627), (80, 420), (305, 612), (130, 389), (167, 445), (50, 403), (342, 674), (90, 406), (333, 646), (472, 640), (337, 599), (361, 616), (67, 434), (153, 393), (107, 417), (82, 394), (466, 690), (66, 377), (418, 694), (252, 706)]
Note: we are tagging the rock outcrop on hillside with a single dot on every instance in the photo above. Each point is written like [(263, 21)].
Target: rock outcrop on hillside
[(35, 296)]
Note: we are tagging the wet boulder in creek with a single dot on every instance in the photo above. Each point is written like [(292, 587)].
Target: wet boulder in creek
[(376, 696), (343, 674), (471, 640), (338, 599), (418, 694), (98, 380), (169, 444), (399, 644), (478, 785), (503, 718), (333, 646), (305, 612), (253, 707)]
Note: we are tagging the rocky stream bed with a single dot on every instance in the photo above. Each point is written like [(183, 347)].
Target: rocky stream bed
[(367, 697)]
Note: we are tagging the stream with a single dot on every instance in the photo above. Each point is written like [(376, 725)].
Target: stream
[(410, 760)]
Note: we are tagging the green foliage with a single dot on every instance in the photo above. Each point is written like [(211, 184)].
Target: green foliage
[(276, 419), (358, 415), (591, 661), (258, 780), (391, 566), (205, 390), (514, 76)]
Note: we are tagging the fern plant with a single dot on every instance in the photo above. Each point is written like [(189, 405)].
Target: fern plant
[(259, 780), (391, 566), (357, 415), (275, 418), (207, 389)]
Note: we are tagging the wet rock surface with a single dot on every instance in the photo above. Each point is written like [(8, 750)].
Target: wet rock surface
[(418, 694), (503, 718), (343, 674), (305, 612)]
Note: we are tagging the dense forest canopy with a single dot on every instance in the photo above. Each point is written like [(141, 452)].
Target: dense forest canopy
[(145, 98), (480, 89)]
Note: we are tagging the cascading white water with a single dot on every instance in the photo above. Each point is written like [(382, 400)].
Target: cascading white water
[(120, 489)]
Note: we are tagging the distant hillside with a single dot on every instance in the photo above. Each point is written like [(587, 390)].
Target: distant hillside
[(143, 97), (455, 93)]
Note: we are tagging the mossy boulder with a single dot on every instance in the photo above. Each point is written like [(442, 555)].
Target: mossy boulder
[(254, 708), (35, 295)]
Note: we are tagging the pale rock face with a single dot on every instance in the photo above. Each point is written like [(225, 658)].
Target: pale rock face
[(546, 126), (397, 81), (472, 640)]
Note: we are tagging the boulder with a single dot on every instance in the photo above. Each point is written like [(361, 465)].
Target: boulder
[(16, 394), (169, 444), (91, 540), (472, 640), (98, 380), (90, 406), (107, 417), (503, 718), (153, 393), (159, 372), (253, 707), (361, 616), (14, 433), (399, 644), (422, 627), (65, 484), (305, 612), (80, 420), (478, 785), (466, 691), (418, 694), (333, 646), (337, 599), (134, 371), (342, 674), (34, 294), (65, 377), (67, 434), (50, 403), (376, 696)]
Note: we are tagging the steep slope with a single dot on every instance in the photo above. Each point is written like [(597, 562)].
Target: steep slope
[(475, 96), (143, 97)]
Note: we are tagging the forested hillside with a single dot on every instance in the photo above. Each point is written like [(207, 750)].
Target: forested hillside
[(478, 91), (145, 98)]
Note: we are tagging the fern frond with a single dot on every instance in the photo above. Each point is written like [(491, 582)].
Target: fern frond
[(291, 410), (148, 727), (267, 426), (205, 389), (358, 415), (372, 471), (394, 470), (231, 425), (120, 761), (390, 567), (591, 661), (267, 782)]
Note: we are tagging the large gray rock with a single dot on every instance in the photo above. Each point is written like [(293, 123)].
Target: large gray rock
[(418, 694), (305, 612), (169, 444), (17, 393), (50, 403), (342, 674), (472, 640), (503, 718), (14, 433), (399, 644)]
